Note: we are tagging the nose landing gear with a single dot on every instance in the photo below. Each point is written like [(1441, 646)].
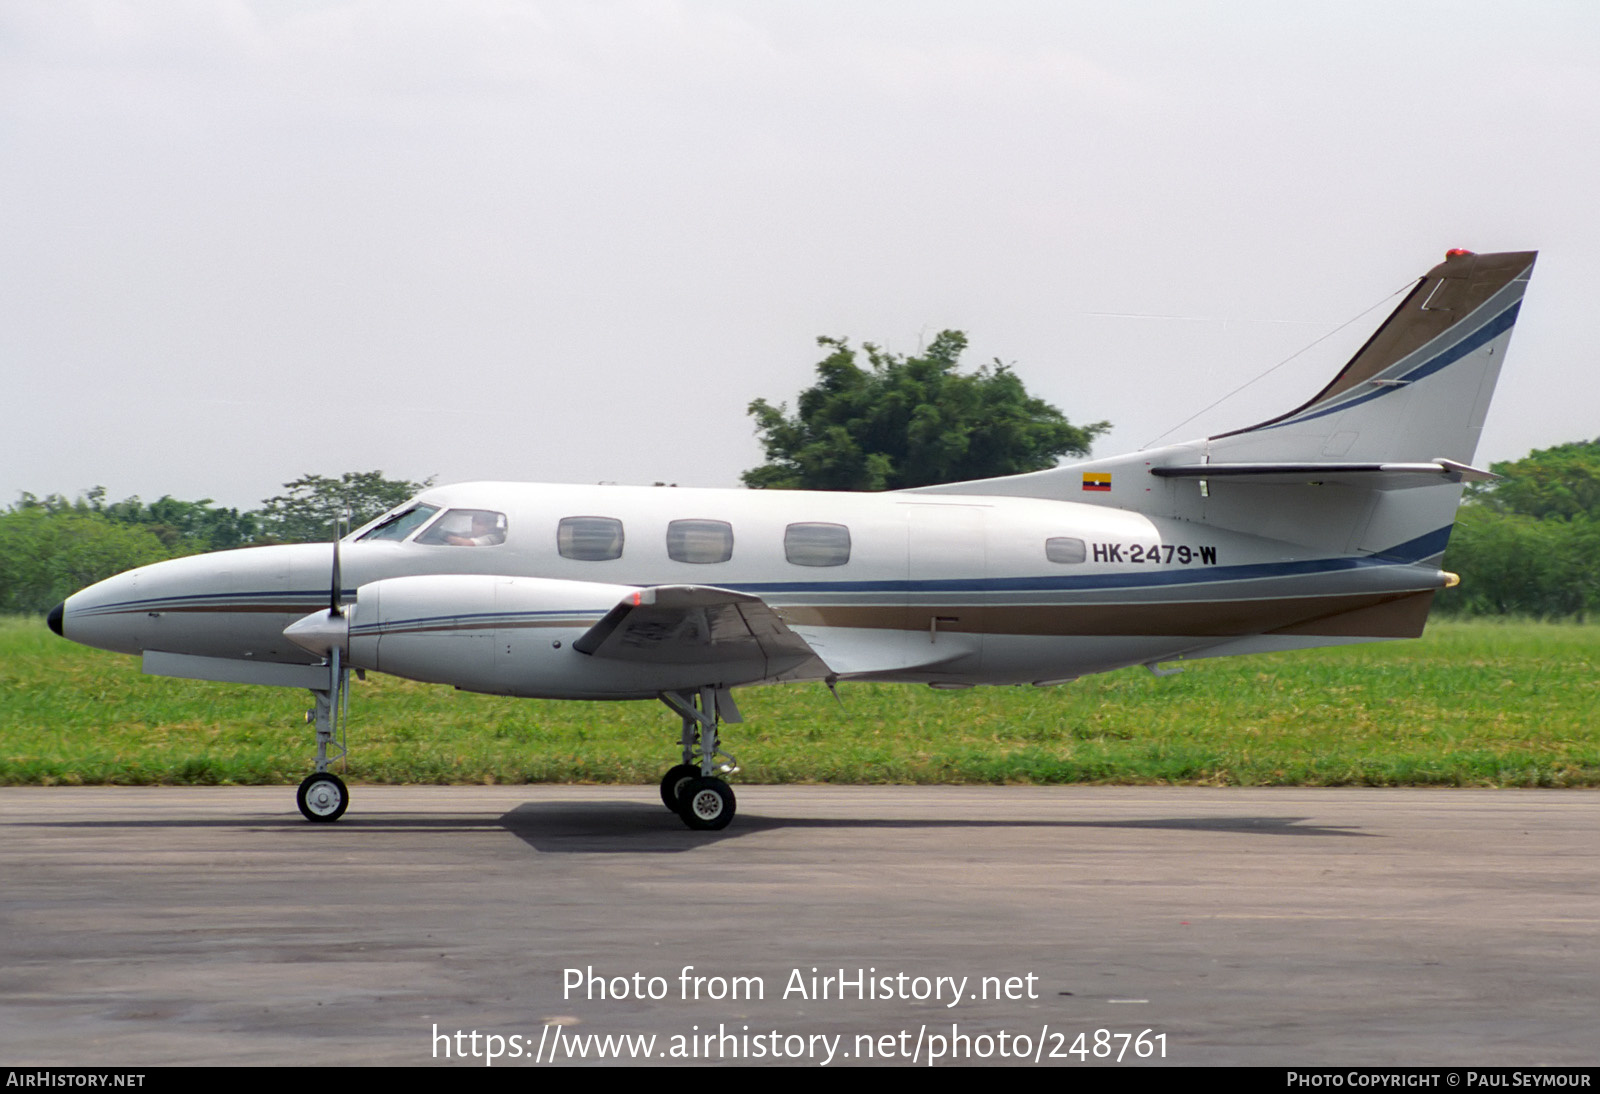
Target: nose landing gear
[(323, 797)]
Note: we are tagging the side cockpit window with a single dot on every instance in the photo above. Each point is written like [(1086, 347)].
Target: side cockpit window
[(467, 528), (402, 523), (589, 539)]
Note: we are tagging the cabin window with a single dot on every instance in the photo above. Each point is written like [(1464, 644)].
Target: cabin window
[(700, 541), (816, 544), (401, 524), (589, 539), (1064, 549), (467, 528)]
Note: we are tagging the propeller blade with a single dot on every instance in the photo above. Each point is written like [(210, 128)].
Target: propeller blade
[(335, 594)]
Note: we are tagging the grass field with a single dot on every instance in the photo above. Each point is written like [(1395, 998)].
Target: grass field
[(1470, 704)]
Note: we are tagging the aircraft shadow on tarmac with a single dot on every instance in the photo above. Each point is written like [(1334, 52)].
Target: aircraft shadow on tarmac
[(632, 828)]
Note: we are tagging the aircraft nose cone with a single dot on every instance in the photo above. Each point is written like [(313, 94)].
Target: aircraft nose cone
[(54, 618)]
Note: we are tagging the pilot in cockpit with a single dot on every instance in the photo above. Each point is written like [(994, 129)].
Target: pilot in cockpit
[(485, 532)]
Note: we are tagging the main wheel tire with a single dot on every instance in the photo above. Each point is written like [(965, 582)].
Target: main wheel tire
[(708, 804), (323, 797), (673, 782)]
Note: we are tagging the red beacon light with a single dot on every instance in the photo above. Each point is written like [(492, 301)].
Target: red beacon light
[(1458, 252)]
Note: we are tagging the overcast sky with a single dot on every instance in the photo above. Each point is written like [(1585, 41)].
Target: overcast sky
[(242, 241)]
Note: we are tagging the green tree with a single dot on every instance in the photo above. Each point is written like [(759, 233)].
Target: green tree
[(187, 527), (1511, 564), (1563, 481), (47, 555), (312, 503), (1529, 542), (909, 421)]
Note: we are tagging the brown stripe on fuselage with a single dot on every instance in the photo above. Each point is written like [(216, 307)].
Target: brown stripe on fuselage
[(382, 630), (1397, 617), (1375, 615)]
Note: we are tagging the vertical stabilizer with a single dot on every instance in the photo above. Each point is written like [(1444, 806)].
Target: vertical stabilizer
[(1419, 388), (1372, 464)]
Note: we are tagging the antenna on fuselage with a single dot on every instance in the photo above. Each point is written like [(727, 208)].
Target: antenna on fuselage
[(833, 686)]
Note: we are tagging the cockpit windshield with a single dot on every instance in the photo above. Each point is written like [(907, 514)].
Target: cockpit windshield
[(401, 523)]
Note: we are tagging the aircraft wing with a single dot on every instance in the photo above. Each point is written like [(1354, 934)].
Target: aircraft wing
[(701, 624)]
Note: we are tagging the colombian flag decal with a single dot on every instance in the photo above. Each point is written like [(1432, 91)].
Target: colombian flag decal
[(1096, 480)]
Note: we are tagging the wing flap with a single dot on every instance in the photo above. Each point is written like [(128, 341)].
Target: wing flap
[(701, 625)]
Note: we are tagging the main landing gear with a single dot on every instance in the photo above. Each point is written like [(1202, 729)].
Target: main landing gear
[(323, 797), (692, 789)]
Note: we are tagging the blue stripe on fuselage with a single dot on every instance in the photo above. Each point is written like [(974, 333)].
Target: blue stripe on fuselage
[(1401, 554)]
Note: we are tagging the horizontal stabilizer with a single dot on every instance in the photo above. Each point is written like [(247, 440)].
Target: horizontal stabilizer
[(1376, 476)]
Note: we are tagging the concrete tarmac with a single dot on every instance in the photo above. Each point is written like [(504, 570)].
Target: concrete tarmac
[(829, 924)]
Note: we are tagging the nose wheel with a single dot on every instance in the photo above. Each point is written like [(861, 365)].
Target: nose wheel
[(323, 797)]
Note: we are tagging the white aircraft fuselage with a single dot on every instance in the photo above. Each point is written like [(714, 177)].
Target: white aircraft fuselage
[(936, 589), (1324, 525)]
